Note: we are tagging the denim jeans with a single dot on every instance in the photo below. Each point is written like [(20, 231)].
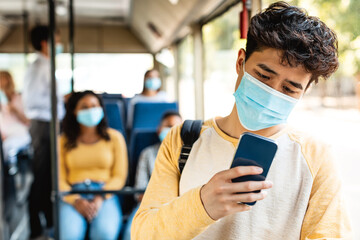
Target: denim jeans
[(127, 231), (105, 226)]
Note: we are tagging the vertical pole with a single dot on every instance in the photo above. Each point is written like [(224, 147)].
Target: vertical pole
[(176, 71), (26, 32), (71, 41), (26, 35), (198, 71), (3, 230), (54, 123)]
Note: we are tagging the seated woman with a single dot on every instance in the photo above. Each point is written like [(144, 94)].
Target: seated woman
[(13, 123), (151, 93), (92, 157)]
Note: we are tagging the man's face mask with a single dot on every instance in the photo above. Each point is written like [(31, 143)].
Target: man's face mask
[(90, 117), (163, 133), (260, 106), (153, 83)]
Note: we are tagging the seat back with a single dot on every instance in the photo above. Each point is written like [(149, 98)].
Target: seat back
[(115, 114), (147, 115), (140, 139)]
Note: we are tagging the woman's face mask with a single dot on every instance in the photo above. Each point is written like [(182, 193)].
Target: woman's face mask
[(153, 83), (260, 106), (90, 117)]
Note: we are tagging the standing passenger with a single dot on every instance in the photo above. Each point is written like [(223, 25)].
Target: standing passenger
[(151, 93), (92, 157), (286, 51), (37, 104)]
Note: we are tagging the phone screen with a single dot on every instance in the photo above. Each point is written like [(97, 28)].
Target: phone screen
[(254, 150)]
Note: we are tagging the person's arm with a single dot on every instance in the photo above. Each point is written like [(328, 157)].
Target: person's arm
[(142, 171), (119, 169), (63, 171), (326, 216), (15, 106), (162, 213)]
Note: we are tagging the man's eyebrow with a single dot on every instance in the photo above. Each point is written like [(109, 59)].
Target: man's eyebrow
[(295, 84), (266, 68)]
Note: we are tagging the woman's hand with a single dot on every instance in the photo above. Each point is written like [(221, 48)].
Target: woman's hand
[(85, 208), (220, 196), (97, 203)]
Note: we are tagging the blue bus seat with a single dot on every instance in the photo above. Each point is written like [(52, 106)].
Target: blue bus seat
[(115, 114), (147, 115), (140, 139)]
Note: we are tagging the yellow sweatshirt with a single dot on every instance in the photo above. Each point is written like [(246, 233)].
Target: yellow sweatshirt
[(103, 161), (304, 203)]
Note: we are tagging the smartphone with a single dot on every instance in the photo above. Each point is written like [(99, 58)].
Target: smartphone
[(254, 150)]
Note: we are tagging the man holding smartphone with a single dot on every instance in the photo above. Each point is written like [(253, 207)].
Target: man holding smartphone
[(286, 51)]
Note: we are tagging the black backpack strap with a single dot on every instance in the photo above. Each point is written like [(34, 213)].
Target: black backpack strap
[(190, 132)]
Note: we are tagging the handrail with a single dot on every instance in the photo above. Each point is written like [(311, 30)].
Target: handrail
[(123, 191)]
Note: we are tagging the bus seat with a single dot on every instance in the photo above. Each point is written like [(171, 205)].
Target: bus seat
[(148, 115), (115, 114), (140, 139)]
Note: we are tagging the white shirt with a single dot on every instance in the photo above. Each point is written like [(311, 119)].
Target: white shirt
[(37, 91)]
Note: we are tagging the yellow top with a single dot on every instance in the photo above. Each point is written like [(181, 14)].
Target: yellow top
[(304, 203), (103, 161)]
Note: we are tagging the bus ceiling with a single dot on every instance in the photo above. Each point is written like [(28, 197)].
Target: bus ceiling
[(111, 26)]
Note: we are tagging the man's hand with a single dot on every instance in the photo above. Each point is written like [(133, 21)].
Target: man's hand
[(220, 196), (85, 208)]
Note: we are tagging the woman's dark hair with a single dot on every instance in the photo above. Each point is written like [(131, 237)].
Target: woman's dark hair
[(37, 35), (304, 40), (71, 127)]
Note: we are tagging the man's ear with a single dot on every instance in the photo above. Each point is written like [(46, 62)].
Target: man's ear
[(240, 60)]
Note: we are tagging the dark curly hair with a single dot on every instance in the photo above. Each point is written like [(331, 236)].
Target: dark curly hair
[(71, 127), (304, 40)]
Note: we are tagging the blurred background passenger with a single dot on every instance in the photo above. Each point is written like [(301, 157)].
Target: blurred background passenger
[(13, 122), (92, 157), (151, 93), (147, 161), (37, 105)]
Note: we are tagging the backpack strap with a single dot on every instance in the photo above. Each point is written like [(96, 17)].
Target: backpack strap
[(190, 132)]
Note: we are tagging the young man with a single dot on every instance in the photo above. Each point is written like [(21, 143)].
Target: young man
[(37, 104), (286, 51)]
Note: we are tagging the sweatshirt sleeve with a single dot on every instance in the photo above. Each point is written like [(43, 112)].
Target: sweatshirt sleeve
[(163, 214), (63, 172), (119, 169), (326, 216)]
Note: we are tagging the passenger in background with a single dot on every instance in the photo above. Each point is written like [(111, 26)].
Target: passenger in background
[(37, 106), (14, 126), (147, 161), (151, 93), (92, 157)]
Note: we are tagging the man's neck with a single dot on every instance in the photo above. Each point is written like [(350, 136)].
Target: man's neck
[(232, 126)]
